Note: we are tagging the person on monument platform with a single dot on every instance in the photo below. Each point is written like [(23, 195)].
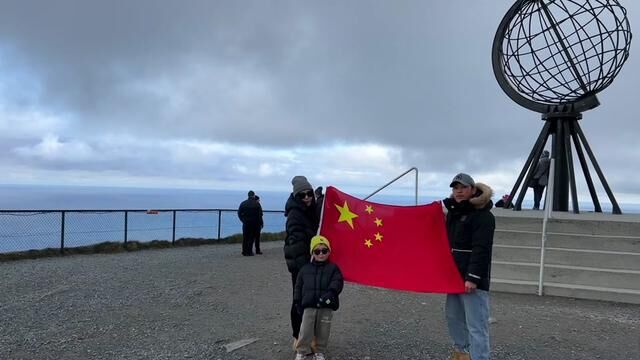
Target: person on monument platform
[(540, 178), (250, 214), (470, 229)]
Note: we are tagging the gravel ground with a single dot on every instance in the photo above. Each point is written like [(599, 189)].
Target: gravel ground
[(186, 303)]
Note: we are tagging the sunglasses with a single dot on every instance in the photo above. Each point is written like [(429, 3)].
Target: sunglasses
[(324, 251), (304, 194)]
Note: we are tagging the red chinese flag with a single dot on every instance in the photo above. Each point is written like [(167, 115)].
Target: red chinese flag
[(394, 247)]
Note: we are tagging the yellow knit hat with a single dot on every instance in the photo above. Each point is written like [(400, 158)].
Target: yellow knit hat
[(317, 240)]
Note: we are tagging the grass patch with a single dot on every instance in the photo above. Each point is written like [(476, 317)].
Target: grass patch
[(111, 247)]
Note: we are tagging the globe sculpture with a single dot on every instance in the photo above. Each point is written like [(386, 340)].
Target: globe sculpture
[(553, 57)]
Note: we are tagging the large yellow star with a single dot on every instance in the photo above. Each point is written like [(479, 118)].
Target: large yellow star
[(346, 214), (368, 243), (378, 237), (369, 209), (378, 222)]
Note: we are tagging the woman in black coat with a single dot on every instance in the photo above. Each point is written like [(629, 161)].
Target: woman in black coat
[(302, 225)]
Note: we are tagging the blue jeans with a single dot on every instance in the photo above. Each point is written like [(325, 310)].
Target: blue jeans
[(468, 322)]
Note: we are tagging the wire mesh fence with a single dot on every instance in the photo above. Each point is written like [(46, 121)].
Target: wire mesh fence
[(22, 230)]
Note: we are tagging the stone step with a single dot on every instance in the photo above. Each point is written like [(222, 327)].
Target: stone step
[(516, 237), (594, 227), (570, 257), (574, 291), (594, 242), (570, 275), (519, 223)]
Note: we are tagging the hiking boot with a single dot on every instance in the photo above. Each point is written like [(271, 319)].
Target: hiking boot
[(457, 355), (319, 356)]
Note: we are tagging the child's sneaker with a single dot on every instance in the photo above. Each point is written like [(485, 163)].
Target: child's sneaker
[(319, 356), (300, 356)]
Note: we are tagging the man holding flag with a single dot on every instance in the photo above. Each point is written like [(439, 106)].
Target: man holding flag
[(470, 228)]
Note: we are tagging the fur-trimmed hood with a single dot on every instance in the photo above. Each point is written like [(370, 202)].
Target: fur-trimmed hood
[(482, 197)]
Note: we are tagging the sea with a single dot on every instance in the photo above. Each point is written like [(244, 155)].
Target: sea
[(31, 215)]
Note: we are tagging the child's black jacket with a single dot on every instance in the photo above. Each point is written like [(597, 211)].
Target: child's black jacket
[(317, 282)]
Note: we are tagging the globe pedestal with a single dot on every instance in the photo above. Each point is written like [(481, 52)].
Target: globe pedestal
[(563, 129)]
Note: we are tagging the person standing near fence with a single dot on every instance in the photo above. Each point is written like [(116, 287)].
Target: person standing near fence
[(257, 244), (302, 224), (250, 213)]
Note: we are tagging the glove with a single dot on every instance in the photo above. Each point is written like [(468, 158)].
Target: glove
[(326, 299)]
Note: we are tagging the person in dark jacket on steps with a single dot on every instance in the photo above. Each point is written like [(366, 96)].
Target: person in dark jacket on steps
[(301, 226), (316, 297), (250, 213), (470, 228)]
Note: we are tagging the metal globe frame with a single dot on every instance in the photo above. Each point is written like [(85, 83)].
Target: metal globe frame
[(553, 57)]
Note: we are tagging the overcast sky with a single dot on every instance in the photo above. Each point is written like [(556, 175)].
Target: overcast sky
[(247, 94)]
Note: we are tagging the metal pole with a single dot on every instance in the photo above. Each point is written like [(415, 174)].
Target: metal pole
[(547, 215), (614, 203), (416, 188), (571, 172), (585, 170), (398, 177), (126, 225), (173, 238), (62, 233), (219, 222)]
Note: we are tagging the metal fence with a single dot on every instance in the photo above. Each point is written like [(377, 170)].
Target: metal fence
[(22, 230)]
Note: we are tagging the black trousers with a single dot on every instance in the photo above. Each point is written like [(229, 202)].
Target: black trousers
[(537, 195), (250, 233), (296, 318), (257, 242)]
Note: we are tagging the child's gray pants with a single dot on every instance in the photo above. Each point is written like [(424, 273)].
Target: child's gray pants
[(315, 322)]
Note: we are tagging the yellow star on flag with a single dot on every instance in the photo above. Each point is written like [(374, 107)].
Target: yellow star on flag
[(378, 222), (368, 243), (346, 214), (369, 209), (378, 237)]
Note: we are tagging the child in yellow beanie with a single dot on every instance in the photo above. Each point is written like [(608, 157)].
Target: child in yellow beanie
[(316, 296)]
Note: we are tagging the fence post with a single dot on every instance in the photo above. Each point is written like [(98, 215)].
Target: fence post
[(62, 233), (219, 222), (173, 239), (126, 226)]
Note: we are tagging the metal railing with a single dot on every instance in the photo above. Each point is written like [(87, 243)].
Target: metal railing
[(396, 179), (23, 230)]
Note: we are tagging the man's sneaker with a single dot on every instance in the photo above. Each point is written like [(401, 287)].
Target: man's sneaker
[(319, 356), (300, 356)]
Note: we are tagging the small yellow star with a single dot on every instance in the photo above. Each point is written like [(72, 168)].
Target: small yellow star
[(369, 209), (368, 243), (378, 237), (346, 214), (378, 222)]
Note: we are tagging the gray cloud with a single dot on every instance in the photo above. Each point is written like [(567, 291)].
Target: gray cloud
[(277, 75)]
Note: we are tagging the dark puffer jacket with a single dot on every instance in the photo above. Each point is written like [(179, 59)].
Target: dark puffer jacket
[(302, 225), (470, 226), (318, 282), (250, 212)]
